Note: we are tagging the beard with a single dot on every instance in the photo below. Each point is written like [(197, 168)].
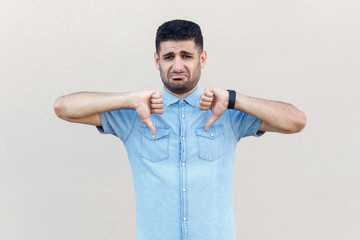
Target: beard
[(180, 86)]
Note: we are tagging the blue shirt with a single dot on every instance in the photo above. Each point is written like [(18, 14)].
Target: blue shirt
[(183, 175)]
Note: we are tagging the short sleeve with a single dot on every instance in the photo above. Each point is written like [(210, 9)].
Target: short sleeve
[(245, 125), (118, 123)]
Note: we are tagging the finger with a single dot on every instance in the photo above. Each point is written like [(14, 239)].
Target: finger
[(157, 100), (205, 104), (156, 94), (160, 105), (210, 122), (150, 125), (207, 99), (157, 111), (204, 108), (209, 92)]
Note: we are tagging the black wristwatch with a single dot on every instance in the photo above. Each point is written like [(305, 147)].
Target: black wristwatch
[(232, 98)]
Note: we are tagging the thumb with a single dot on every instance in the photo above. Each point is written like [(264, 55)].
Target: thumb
[(150, 125), (210, 122)]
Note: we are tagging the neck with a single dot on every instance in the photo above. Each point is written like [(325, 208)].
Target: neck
[(181, 95)]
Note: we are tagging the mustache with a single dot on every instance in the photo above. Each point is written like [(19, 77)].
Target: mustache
[(182, 72)]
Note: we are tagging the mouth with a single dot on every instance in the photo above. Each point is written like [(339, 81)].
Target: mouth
[(178, 76)]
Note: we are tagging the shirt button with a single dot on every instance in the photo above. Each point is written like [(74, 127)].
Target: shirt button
[(183, 164), (182, 101), (184, 190), (153, 136), (182, 116), (212, 134), (184, 218), (183, 138)]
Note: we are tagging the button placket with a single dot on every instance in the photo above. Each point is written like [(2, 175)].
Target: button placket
[(183, 169)]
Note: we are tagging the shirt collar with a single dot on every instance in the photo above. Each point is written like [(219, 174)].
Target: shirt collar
[(192, 99)]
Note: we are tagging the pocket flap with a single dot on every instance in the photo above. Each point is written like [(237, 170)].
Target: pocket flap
[(213, 132), (159, 133)]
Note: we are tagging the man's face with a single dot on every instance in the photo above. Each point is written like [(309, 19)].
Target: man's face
[(180, 64)]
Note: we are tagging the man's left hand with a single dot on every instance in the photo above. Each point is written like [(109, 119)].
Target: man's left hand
[(216, 100)]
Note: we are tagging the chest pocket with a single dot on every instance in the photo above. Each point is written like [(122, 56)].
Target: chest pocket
[(155, 148), (210, 143)]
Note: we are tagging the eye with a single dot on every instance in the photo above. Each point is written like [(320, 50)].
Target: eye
[(187, 56), (168, 57)]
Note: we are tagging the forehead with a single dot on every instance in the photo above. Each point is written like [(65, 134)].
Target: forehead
[(177, 46)]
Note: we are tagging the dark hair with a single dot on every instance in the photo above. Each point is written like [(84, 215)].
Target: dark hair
[(179, 30)]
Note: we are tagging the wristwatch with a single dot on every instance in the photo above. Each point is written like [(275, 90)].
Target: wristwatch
[(232, 98)]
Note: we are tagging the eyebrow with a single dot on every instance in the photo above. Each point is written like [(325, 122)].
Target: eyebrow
[(172, 53)]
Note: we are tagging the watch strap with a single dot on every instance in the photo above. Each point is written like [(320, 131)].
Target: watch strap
[(232, 98)]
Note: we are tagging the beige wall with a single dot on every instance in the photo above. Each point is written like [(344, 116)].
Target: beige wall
[(65, 181)]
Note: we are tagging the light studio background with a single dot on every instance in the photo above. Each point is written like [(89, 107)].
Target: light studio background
[(60, 180)]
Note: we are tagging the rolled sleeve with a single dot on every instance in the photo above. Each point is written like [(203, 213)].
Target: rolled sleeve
[(105, 127), (245, 125), (253, 130), (118, 123)]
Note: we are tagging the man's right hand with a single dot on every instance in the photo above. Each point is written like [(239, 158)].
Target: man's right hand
[(147, 103), (85, 107)]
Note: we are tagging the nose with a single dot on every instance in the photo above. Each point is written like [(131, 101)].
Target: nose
[(178, 64)]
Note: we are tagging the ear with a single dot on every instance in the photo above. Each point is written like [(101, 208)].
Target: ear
[(203, 59), (156, 58)]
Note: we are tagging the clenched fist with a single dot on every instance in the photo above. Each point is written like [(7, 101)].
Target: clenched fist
[(148, 102), (216, 100)]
